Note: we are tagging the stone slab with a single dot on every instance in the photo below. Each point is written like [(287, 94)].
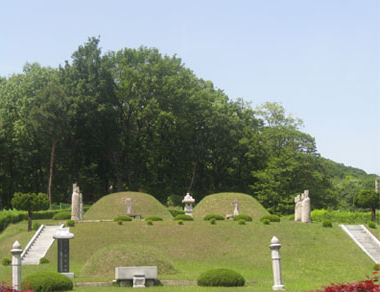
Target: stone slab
[(127, 273)]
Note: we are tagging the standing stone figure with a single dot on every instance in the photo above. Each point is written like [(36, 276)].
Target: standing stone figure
[(188, 201), (75, 203), (297, 208), (80, 206), (236, 207), (128, 203), (305, 215)]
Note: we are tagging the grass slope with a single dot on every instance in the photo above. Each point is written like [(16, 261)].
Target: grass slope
[(222, 203), (108, 207)]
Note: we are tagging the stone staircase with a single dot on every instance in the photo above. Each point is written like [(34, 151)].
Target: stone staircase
[(365, 240), (39, 245)]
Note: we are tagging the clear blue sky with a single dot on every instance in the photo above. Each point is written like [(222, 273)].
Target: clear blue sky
[(319, 58)]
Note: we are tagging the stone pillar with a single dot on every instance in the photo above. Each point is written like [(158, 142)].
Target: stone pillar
[(297, 208), (188, 201), (16, 265), (128, 203), (80, 206), (305, 216), (236, 207), (276, 264), (63, 236), (75, 203)]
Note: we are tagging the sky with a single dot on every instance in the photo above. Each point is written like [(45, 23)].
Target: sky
[(319, 58)]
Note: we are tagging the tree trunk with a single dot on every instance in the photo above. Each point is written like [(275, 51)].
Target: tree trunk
[(374, 214), (29, 220), (51, 170)]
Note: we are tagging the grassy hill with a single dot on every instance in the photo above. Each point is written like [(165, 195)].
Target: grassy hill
[(221, 203), (108, 207)]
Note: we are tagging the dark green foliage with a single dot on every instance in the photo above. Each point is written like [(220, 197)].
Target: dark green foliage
[(221, 278), (368, 199), (63, 215), (180, 222), (372, 224), (241, 222), (122, 218), (48, 214), (176, 212), (327, 223), (119, 222), (245, 217), (36, 225), (213, 216), (174, 200), (47, 282), (149, 222), (342, 217), (6, 261), (70, 223), (213, 221), (7, 218), (183, 217), (153, 218), (271, 218), (44, 261), (266, 221)]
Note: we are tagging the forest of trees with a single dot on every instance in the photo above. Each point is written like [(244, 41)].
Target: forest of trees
[(140, 121)]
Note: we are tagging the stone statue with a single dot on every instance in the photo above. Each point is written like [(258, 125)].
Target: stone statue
[(236, 207), (188, 201), (305, 214), (128, 203), (297, 208), (75, 203), (80, 206)]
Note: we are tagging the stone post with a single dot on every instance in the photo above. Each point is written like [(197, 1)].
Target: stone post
[(236, 207), (128, 203), (16, 265), (80, 206), (75, 203), (305, 215), (276, 264), (297, 208), (63, 236)]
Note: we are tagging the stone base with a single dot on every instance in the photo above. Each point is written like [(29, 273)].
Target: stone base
[(278, 287), (69, 275)]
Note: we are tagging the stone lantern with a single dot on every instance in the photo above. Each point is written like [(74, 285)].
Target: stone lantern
[(16, 265), (63, 236), (276, 264), (188, 201)]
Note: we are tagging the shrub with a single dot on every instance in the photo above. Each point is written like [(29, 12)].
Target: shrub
[(149, 222), (174, 200), (70, 223), (183, 217), (63, 215), (48, 214), (327, 223), (213, 216), (122, 218), (245, 217), (221, 277), (6, 261), (271, 218), (120, 222), (153, 218), (372, 224), (47, 282), (44, 261), (180, 222), (175, 212), (36, 225), (342, 217), (213, 221), (266, 221), (241, 222)]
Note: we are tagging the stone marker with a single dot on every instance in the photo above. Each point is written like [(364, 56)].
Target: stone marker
[(305, 214), (63, 236), (236, 207), (276, 264), (16, 265), (75, 203), (297, 208), (128, 203), (188, 201)]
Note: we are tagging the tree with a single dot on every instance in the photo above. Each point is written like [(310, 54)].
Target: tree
[(30, 202), (368, 199)]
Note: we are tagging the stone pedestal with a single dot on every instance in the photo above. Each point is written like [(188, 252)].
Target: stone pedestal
[(276, 264), (16, 265), (188, 201), (63, 236)]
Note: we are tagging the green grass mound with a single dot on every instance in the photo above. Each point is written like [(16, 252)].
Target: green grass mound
[(47, 282), (221, 277), (108, 207), (103, 262), (222, 203)]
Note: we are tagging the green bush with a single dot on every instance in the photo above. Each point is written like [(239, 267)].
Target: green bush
[(327, 223), (6, 262), (149, 222), (36, 225), (221, 277), (271, 218), (241, 222), (70, 223), (153, 218), (213, 216), (47, 214), (47, 282), (44, 261), (63, 215), (122, 218), (213, 221), (120, 222), (266, 221), (245, 217), (180, 222), (176, 212), (174, 200), (318, 215), (372, 224), (11, 216), (183, 217)]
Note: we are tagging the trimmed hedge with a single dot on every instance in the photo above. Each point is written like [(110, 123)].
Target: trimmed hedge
[(70, 223), (241, 222), (44, 261), (245, 217), (47, 282), (213, 216), (221, 277), (271, 218), (266, 221), (153, 218), (183, 217), (122, 218), (372, 224), (342, 217), (36, 225), (63, 215), (327, 223)]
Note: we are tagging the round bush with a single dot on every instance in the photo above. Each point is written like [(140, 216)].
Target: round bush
[(6, 261), (122, 218), (266, 221), (47, 282), (271, 218), (70, 223), (183, 217), (175, 212), (245, 217), (149, 222), (120, 222), (36, 225), (241, 222), (221, 277), (326, 223), (44, 261), (180, 222), (213, 221), (372, 224), (213, 216), (64, 215), (153, 218)]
